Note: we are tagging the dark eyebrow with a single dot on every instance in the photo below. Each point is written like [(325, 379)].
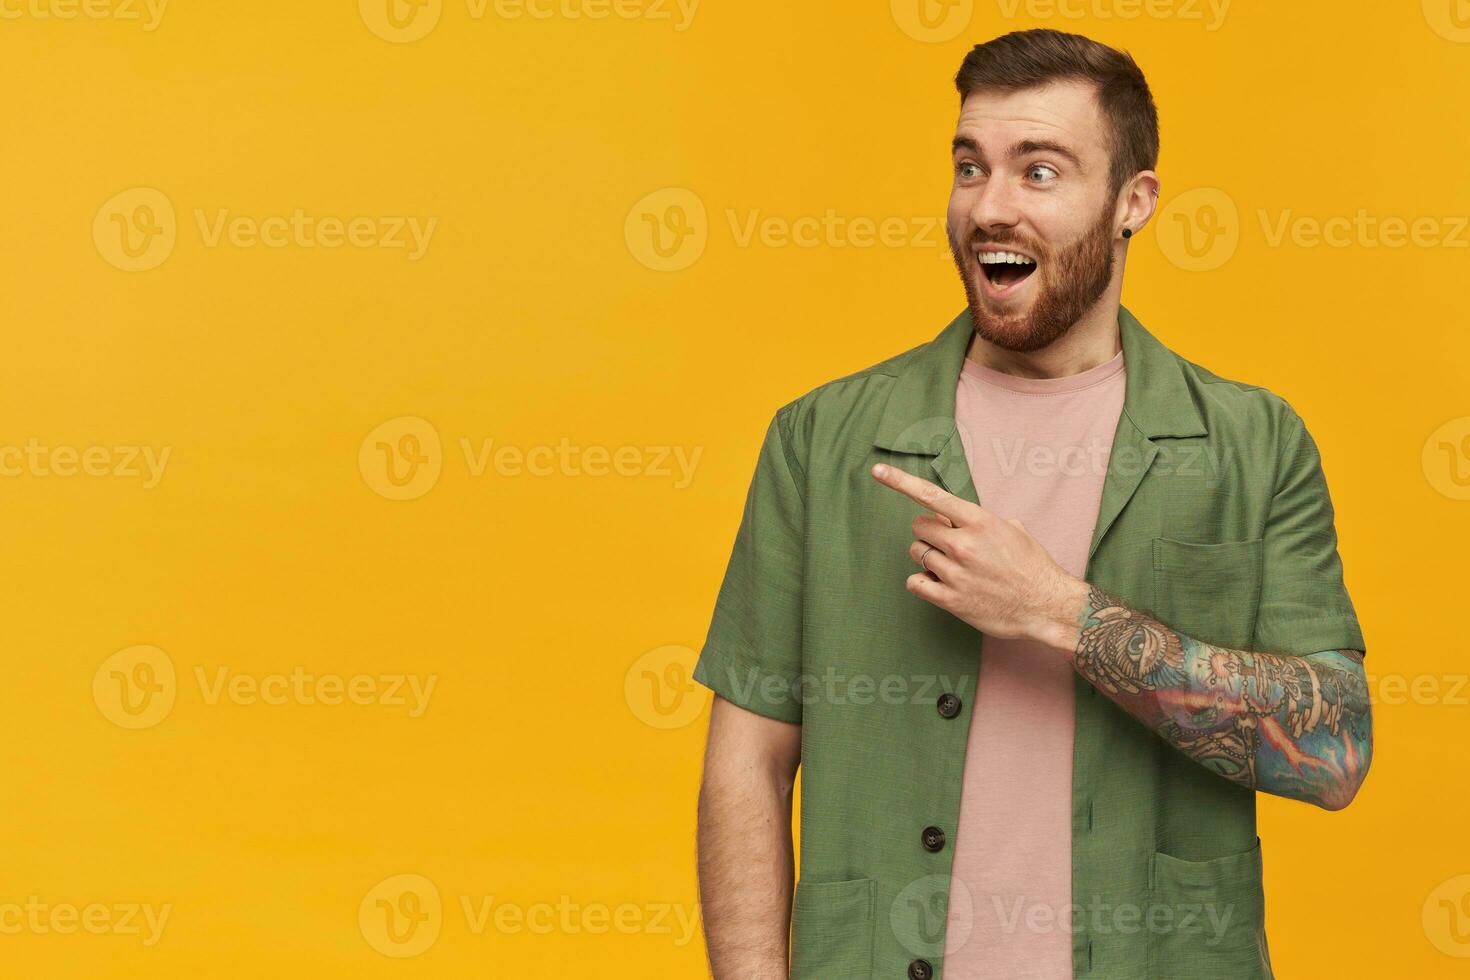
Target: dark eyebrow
[(1021, 149), (1028, 147)]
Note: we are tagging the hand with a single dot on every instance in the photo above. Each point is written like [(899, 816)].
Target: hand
[(987, 570)]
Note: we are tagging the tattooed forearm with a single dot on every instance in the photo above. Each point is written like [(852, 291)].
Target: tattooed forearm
[(1288, 725)]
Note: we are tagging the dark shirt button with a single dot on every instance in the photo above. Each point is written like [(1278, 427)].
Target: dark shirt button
[(948, 705), (933, 839), (921, 970)]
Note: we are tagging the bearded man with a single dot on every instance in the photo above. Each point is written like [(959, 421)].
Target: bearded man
[(1037, 607)]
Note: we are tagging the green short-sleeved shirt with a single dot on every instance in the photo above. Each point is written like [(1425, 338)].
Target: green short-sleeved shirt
[(1215, 517)]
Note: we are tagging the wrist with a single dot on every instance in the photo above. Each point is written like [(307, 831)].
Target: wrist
[(1060, 625)]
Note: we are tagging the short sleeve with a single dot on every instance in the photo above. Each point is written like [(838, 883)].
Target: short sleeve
[(752, 655), (1305, 606)]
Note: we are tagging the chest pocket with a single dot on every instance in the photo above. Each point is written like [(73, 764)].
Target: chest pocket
[(1209, 591)]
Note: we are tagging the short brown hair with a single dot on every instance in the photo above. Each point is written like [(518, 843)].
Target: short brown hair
[(1023, 59)]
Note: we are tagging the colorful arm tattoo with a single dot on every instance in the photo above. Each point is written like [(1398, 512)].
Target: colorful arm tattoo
[(1295, 726)]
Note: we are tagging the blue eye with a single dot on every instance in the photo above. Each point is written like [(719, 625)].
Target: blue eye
[(972, 168), (1040, 168)]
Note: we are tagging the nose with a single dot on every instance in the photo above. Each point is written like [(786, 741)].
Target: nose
[(996, 209)]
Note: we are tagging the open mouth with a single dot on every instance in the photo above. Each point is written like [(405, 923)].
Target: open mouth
[(1005, 269)]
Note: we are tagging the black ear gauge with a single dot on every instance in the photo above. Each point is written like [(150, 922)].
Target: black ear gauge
[(1127, 232)]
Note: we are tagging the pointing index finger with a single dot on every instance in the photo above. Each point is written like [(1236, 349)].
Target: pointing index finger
[(925, 494)]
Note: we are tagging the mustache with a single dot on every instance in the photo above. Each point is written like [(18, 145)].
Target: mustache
[(979, 241)]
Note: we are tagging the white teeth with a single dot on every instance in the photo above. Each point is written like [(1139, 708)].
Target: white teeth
[(1011, 258)]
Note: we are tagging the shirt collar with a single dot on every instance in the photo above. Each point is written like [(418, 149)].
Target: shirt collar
[(919, 415)]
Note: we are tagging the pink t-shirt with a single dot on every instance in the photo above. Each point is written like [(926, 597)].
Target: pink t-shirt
[(1038, 451)]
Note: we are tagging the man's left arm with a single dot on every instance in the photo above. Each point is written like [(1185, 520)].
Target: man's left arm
[(1294, 726), (1294, 722)]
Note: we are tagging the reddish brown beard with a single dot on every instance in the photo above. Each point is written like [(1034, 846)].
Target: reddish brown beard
[(1073, 280)]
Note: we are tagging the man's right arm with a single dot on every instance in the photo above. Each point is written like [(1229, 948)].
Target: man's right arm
[(752, 660), (746, 867)]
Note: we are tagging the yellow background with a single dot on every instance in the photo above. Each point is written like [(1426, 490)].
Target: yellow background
[(540, 776)]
